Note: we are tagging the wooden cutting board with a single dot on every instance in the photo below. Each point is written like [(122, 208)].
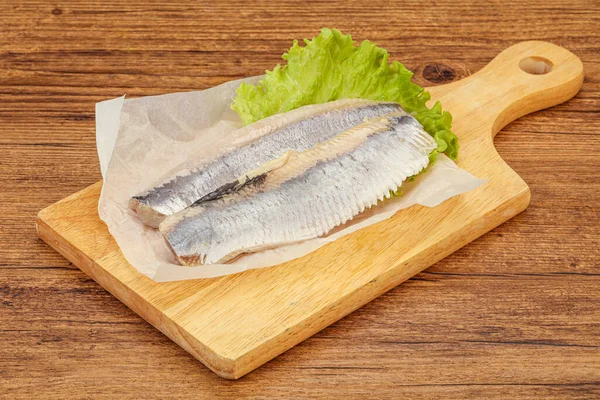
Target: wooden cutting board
[(234, 324)]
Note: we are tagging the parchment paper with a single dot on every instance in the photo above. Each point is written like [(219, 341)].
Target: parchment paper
[(143, 141)]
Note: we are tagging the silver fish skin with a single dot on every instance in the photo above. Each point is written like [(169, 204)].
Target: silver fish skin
[(319, 198), (292, 163), (257, 143)]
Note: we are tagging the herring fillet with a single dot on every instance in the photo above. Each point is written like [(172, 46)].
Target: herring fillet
[(254, 145), (289, 165), (308, 203), (292, 163)]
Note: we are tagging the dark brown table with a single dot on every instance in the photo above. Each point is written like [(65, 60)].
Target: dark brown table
[(514, 314)]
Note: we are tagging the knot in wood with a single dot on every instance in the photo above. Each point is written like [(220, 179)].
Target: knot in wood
[(439, 73)]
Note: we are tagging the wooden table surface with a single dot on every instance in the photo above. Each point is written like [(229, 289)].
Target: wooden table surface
[(514, 314)]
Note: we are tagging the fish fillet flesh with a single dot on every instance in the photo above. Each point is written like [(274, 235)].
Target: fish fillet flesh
[(302, 195), (254, 145), (291, 163)]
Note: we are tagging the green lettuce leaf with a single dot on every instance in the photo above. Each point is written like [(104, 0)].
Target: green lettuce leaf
[(331, 67)]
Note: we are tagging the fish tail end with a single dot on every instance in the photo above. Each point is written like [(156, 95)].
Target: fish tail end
[(146, 214)]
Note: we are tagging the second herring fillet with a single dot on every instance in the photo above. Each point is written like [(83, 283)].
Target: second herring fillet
[(254, 145), (308, 200)]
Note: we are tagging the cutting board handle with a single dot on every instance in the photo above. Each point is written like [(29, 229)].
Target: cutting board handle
[(526, 77)]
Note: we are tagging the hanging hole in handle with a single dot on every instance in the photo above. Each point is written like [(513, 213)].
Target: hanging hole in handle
[(536, 65)]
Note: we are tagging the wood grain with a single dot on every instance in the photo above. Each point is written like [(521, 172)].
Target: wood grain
[(513, 314), (236, 323)]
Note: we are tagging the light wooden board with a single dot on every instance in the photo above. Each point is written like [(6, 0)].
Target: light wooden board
[(236, 323)]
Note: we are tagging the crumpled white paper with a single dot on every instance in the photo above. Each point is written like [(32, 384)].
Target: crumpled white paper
[(143, 141)]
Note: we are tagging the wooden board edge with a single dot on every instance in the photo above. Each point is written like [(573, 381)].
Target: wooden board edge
[(222, 366), (236, 368), (42, 214), (382, 284)]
